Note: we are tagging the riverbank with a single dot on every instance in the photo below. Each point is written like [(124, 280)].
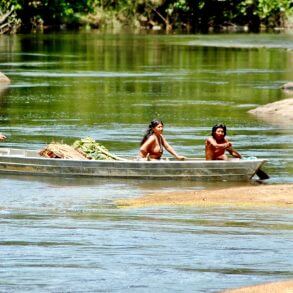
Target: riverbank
[(276, 287), (280, 195)]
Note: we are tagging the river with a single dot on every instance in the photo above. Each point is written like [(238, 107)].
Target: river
[(67, 235)]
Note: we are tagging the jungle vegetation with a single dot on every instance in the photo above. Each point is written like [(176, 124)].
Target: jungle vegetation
[(169, 15)]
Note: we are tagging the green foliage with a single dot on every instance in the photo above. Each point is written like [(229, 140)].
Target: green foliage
[(9, 22), (267, 8), (194, 15), (270, 13), (93, 150), (202, 14)]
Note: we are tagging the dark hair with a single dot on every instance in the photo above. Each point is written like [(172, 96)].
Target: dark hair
[(215, 127), (150, 130)]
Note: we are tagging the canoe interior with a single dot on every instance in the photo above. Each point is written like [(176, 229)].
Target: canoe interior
[(19, 153), (35, 154)]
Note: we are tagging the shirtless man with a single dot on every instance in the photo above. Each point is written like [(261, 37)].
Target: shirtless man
[(2, 137), (153, 143), (218, 144)]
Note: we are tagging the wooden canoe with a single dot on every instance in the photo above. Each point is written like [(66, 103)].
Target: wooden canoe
[(29, 162)]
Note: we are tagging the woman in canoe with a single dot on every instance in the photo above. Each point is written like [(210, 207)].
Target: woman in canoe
[(217, 145), (153, 143)]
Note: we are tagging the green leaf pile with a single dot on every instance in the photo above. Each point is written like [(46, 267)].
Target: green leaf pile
[(94, 150)]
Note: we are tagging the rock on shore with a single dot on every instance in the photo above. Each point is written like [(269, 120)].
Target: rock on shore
[(281, 111), (288, 86), (4, 79)]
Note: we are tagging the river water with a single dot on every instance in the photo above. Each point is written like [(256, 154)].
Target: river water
[(67, 235)]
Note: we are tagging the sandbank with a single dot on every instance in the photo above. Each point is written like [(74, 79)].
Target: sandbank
[(279, 195), (276, 287)]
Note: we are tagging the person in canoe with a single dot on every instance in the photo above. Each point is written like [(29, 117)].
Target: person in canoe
[(153, 143), (218, 144), (2, 136)]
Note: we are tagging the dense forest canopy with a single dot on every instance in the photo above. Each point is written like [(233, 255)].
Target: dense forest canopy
[(169, 15)]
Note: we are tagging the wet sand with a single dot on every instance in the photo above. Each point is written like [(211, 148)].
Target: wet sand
[(279, 195), (276, 287)]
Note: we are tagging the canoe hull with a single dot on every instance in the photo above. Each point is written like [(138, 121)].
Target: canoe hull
[(28, 162)]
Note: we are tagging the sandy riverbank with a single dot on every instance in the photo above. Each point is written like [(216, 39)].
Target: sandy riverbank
[(276, 287), (280, 195)]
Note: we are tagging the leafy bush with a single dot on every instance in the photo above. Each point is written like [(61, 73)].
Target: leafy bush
[(189, 15)]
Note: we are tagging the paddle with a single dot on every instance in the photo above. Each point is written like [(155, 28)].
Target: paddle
[(262, 175)]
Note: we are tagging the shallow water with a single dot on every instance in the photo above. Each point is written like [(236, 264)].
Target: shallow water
[(67, 86), (67, 235)]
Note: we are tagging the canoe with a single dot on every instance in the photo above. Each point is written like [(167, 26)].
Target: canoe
[(29, 162)]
